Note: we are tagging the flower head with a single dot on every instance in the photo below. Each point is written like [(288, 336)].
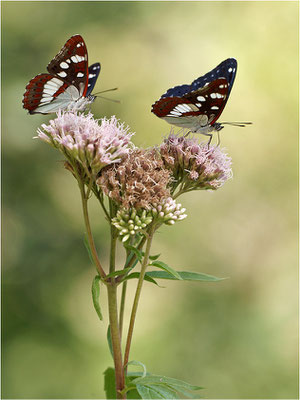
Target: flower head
[(132, 221), (91, 143), (138, 181), (168, 211), (196, 165)]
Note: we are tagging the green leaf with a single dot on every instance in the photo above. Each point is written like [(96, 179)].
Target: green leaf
[(159, 379), (140, 364), (134, 250), (185, 276), (155, 257), (150, 384), (137, 275), (96, 295), (165, 267), (132, 393), (108, 336), (110, 383), (87, 246), (156, 392), (119, 272)]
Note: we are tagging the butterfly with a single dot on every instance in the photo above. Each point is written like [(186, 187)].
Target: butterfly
[(198, 106), (68, 83)]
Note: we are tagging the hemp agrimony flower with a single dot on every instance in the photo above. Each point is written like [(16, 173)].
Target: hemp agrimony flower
[(85, 141), (132, 221), (194, 165), (138, 181)]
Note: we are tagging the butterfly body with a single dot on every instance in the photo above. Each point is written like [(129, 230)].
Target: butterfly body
[(198, 106), (68, 83)]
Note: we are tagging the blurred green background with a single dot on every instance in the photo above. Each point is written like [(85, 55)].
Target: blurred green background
[(238, 338)]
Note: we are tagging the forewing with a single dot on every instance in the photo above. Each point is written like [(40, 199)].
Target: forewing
[(71, 64), (94, 71), (226, 69), (211, 99), (208, 101)]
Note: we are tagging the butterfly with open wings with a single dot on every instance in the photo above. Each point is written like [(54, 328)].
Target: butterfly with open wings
[(69, 83), (198, 106)]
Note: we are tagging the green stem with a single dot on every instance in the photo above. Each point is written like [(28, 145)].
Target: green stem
[(98, 194), (137, 297), (132, 259), (89, 231), (113, 319), (112, 261), (122, 307), (115, 339)]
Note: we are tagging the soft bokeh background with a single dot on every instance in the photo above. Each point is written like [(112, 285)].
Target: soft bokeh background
[(238, 338)]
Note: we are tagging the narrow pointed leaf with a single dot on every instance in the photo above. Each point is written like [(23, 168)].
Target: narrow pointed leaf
[(136, 275), (118, 273), (88, 249), (154, 257), (96, 296), (167, 268), (108, 336), (185, 275), (134, 250)]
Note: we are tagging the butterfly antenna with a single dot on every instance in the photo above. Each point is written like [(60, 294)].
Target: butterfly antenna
[(240, 124), (104, 91)]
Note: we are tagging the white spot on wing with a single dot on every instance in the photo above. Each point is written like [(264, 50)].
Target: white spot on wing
[(214, 108), (176, 113), (46, 99), (64, 65), (62, 74), (77, 58), (201, 98), (183, 108), (80, 74), (230, 69)]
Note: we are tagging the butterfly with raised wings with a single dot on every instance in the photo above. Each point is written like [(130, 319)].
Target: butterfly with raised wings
[(198, 106), (68, 84)]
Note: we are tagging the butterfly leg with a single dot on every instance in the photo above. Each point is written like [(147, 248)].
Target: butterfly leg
[(210, 139), (186, 135), (219, 140)]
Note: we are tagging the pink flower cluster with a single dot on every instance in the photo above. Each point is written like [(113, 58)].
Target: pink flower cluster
[(195, 165), (92, 143)]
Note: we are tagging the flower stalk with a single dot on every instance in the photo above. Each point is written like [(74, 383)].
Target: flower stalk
[(115, 338), (137, 296), (84, 200)]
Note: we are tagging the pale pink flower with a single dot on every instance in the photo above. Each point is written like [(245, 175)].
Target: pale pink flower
[(195, 165), (90, 142)]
